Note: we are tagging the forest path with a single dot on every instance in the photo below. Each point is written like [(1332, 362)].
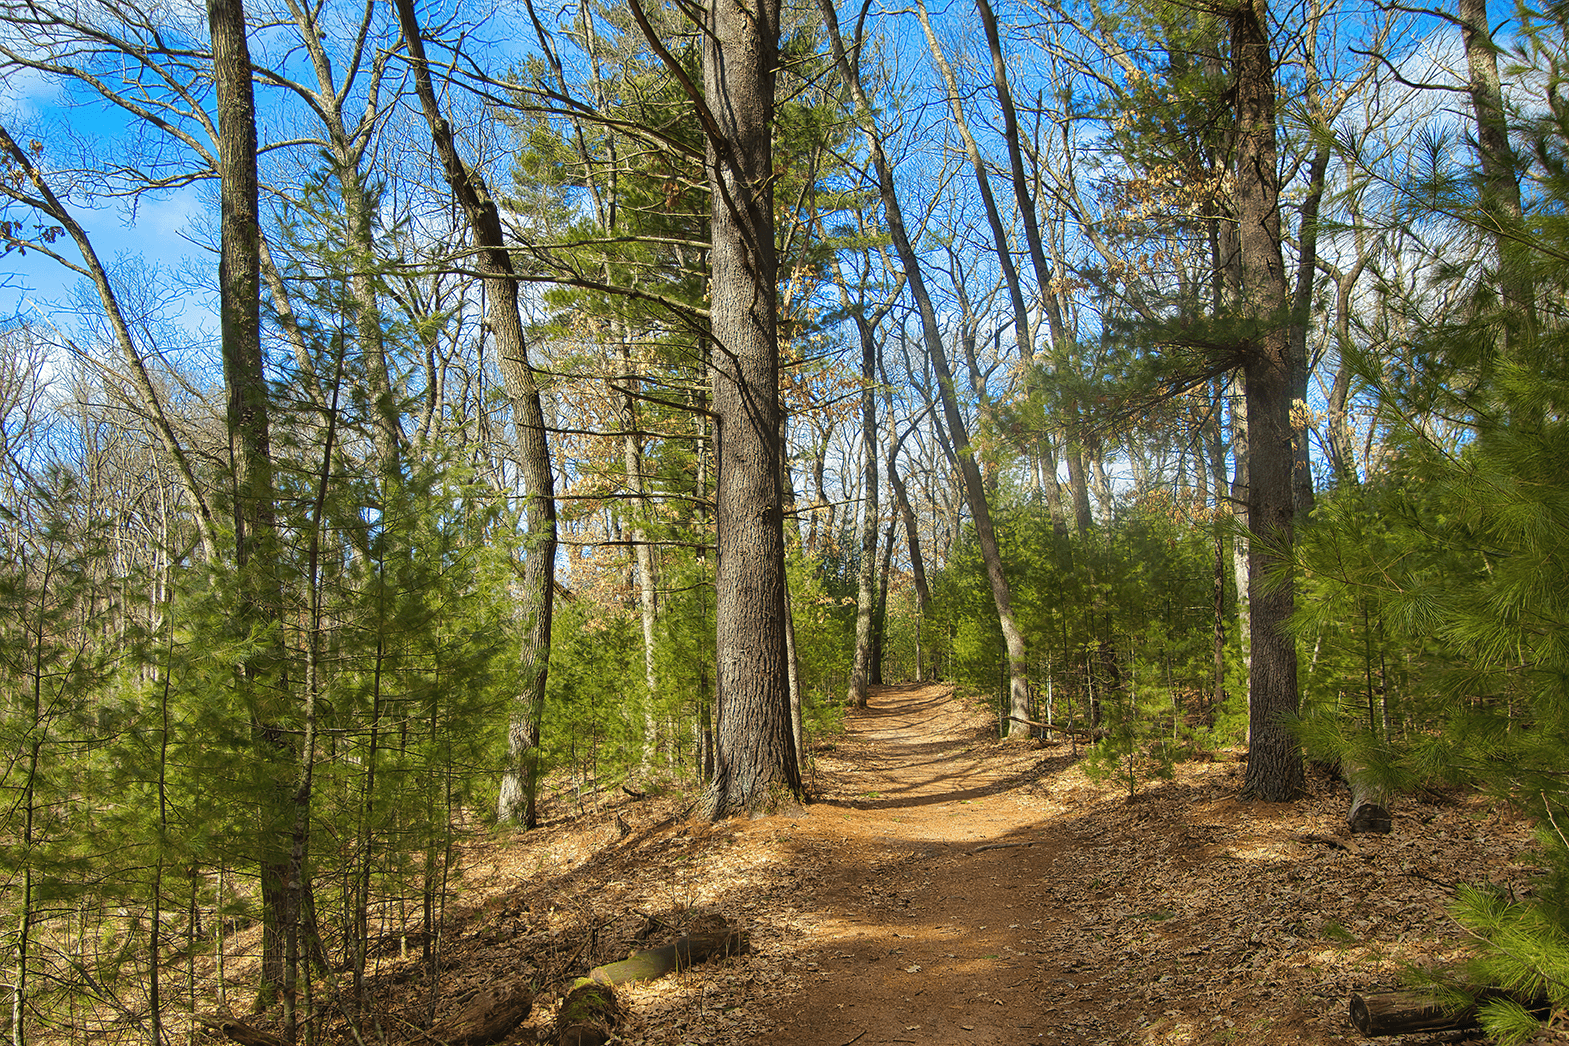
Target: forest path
[(930, 927), (945, 888)]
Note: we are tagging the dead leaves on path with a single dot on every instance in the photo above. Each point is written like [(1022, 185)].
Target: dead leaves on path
[(1182, 916)]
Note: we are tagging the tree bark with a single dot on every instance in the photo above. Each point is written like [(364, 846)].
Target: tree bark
[(755, 755), (1500, 190), (516, 802), (866, 575), (250, 447), (1275, 769)]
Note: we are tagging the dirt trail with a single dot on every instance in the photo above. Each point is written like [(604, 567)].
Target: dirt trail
[(926, 935), (947, 888)]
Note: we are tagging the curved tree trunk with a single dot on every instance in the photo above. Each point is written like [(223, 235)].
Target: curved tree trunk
[(973, 483)]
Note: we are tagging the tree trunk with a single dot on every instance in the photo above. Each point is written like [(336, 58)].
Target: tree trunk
[(1500, 191), (880, 617), (1079, 486), (755, 767), (250, 443), (516, 802), (1275, 770), (1301, 309), (643, 552), (866, 575)]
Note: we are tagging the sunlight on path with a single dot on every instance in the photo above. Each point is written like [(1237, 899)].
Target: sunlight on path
[(921, 939)]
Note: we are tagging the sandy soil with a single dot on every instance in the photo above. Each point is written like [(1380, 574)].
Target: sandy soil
[(947, 888)]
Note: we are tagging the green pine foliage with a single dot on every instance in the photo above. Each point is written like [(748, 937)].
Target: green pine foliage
[(1437, 587), (1120, 623)]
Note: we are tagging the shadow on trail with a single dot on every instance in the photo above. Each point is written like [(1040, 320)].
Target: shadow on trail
[(889, 797)]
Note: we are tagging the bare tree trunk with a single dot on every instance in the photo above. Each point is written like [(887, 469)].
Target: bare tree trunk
[(880, 616), (866, 580), (648, 606), (516, 802), (1275, 769)]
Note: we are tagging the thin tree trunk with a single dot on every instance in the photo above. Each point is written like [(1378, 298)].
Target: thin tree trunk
[(136, 366), (516, 803), (880, 617), (643, 552), (866, 575), (973, 483)]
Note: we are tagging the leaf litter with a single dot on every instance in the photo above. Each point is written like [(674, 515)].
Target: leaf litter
[(945, 887)]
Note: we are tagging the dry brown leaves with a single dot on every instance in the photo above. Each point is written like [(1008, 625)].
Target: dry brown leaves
[(945, 887)]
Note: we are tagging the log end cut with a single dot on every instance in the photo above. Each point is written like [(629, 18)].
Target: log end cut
[(1402, 1013), (588, 1015)]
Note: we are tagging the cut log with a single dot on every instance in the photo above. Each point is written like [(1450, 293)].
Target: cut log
[(488, 1017), (1401, 1013), (1405, 1013), (657, 962), (1369, 803), (588, 1015)]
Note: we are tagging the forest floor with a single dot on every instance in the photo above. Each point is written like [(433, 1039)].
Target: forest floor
[(943, 887)]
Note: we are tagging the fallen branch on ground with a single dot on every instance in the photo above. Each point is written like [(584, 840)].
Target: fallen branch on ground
[(1093, 733), (1005, 846), (489, 1017)]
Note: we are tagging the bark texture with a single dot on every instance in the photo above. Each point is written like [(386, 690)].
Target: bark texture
[(1275, 770), (755, 760), (250, 451)]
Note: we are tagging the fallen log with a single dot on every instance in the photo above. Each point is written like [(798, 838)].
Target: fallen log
[(1093, 733), (1406, 1013), (488, 1017), (1369, 803), (657, 962), (238, 1031), (1401, 1013)]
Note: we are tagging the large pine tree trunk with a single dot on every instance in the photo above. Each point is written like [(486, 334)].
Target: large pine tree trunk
[(755, 765), (1275, 770)]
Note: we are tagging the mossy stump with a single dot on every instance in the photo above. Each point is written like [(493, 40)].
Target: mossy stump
[(588, 1015)]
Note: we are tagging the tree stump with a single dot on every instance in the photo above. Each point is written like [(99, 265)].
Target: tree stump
[(588, 1015), (1369, 803)]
